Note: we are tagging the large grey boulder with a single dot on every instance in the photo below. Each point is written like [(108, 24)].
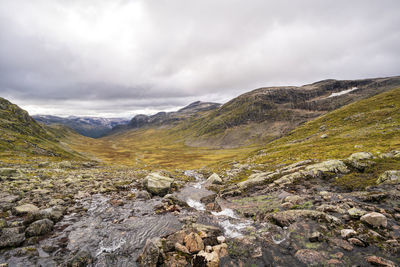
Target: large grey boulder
[(389, 177), (158, 184), (375, 219), (11, 237), (360, 160)]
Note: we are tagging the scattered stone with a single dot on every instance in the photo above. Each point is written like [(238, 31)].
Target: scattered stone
[(157, 184), (378, 261), (327, 168), (356, 242), (11, 237), (324, 136), (181, 248), (347, 233), (361, 156), (310, 257), (54, 213), (356, 213), (315, 237), (389, 177), (8, 172), (221, 239), (374, 219), (193, 243), (40, 227), (26, 209), (151, 253), (285, 218), (221, 250), (214, 179)]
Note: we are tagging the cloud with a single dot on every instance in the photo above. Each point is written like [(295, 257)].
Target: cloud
[(118, 58)]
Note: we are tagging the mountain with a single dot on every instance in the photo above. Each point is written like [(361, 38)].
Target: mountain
[(88, 126), (21, 136), (192, 110)]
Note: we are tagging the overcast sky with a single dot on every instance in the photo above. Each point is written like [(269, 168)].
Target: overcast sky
[(123, 57)]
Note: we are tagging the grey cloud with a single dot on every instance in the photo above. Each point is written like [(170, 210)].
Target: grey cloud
[(123, 57)]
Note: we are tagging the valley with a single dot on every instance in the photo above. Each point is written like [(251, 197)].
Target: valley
[(278, 176)]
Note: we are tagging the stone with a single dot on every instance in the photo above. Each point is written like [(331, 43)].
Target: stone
[(360, 156), (26, 209), (212, 258), (214, 179), (40, 227), (181, 248), (54, 213), (294, 199), (221, 250), (315, 237), (221, 239), (375, 219), (193, 243), (256, 179), (8, 172), (356, 213), (81, 258), (143, 195), (285, 218), (378, 261), (173, 200), (208, 249), (356, 242), (389, 177), (347, 233), (324, 136), (310, 257), (11, 237), (176, 260), (327, 168), (151, 253), (3, 224), (341, 243), (158, 184)]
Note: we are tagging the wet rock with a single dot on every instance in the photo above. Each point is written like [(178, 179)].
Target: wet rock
[(40, 227), (80, 259), (157, 184), (214, 179), (208, 229), (310, 257), (181, 248), (356, 242), (389, 177), (347, 233), (151, 253), (212, 259), (26, 209), (285, 218), (327, 168), (356, 213), (7, 201), (378, 261), (374, 219), (315, 237), (324, 136), (11, 237), (173, 200), (54, 213), (176, 260), (193, 243)]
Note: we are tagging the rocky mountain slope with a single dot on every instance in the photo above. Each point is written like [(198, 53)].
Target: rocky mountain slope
[(88, 126), (21, 136)]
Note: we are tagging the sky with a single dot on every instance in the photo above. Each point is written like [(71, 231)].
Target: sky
[(124, 57)]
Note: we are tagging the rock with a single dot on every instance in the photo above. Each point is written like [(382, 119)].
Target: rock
[(310, 257), (181, 248), (347, 233), (26, 209), (143, 195), (315, 237), (7, 201), (214, 179), (360, 160), (378, 261), (356, 213), (390, 155), (221, 250), (341, 243), (176, 260), (157, 184), (356, 242), (151, 253), (389, 177), (193, 243), (294, 199), (211, 259), (374, 219), (40, 227), (324, 136), (285, 218), (8, 172), (3, 224), (208, 229), (221, 239), (257, 179), (208, 249), (327, 168), (173, 200), (54, 213), (11, 237), (360, 156), (80, 259)]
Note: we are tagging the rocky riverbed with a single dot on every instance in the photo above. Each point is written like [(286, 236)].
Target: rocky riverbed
[(74, 214)]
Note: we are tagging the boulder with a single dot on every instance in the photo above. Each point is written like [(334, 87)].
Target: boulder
[(285, 218), (375, 219), (54, 213), (26, 209), (214, 179), (193, 243), (151, 253), (310, 257), (211, 258), (389, 177), (360, 156), (257, 179), (40, 227), (157, 184), (347, 233), (378, 261), (181, 248), (327, 168), (356, 213), (11, 237)]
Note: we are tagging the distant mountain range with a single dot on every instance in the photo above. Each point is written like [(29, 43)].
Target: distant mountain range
[(88, 126)]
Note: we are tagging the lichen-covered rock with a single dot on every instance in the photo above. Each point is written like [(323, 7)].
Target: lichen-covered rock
[(256, 179), (285, 218), (327, 168), (11, 237), (211, 258), (310, 257), (361, 156), (214, 179), (40, 227), (8, 172), (54, 213), (356, 213), (389, 177), (26, 209), (347, 233), (375, 219), (151, 253), (193, 243), (157, 184), (181, 248)]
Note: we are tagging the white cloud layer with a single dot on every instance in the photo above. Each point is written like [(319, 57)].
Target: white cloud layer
[(118, 58)]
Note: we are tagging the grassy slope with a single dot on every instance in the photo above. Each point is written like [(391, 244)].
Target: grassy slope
[(369, 125)]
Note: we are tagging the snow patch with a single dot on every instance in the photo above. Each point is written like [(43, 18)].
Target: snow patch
[(343, 92)]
